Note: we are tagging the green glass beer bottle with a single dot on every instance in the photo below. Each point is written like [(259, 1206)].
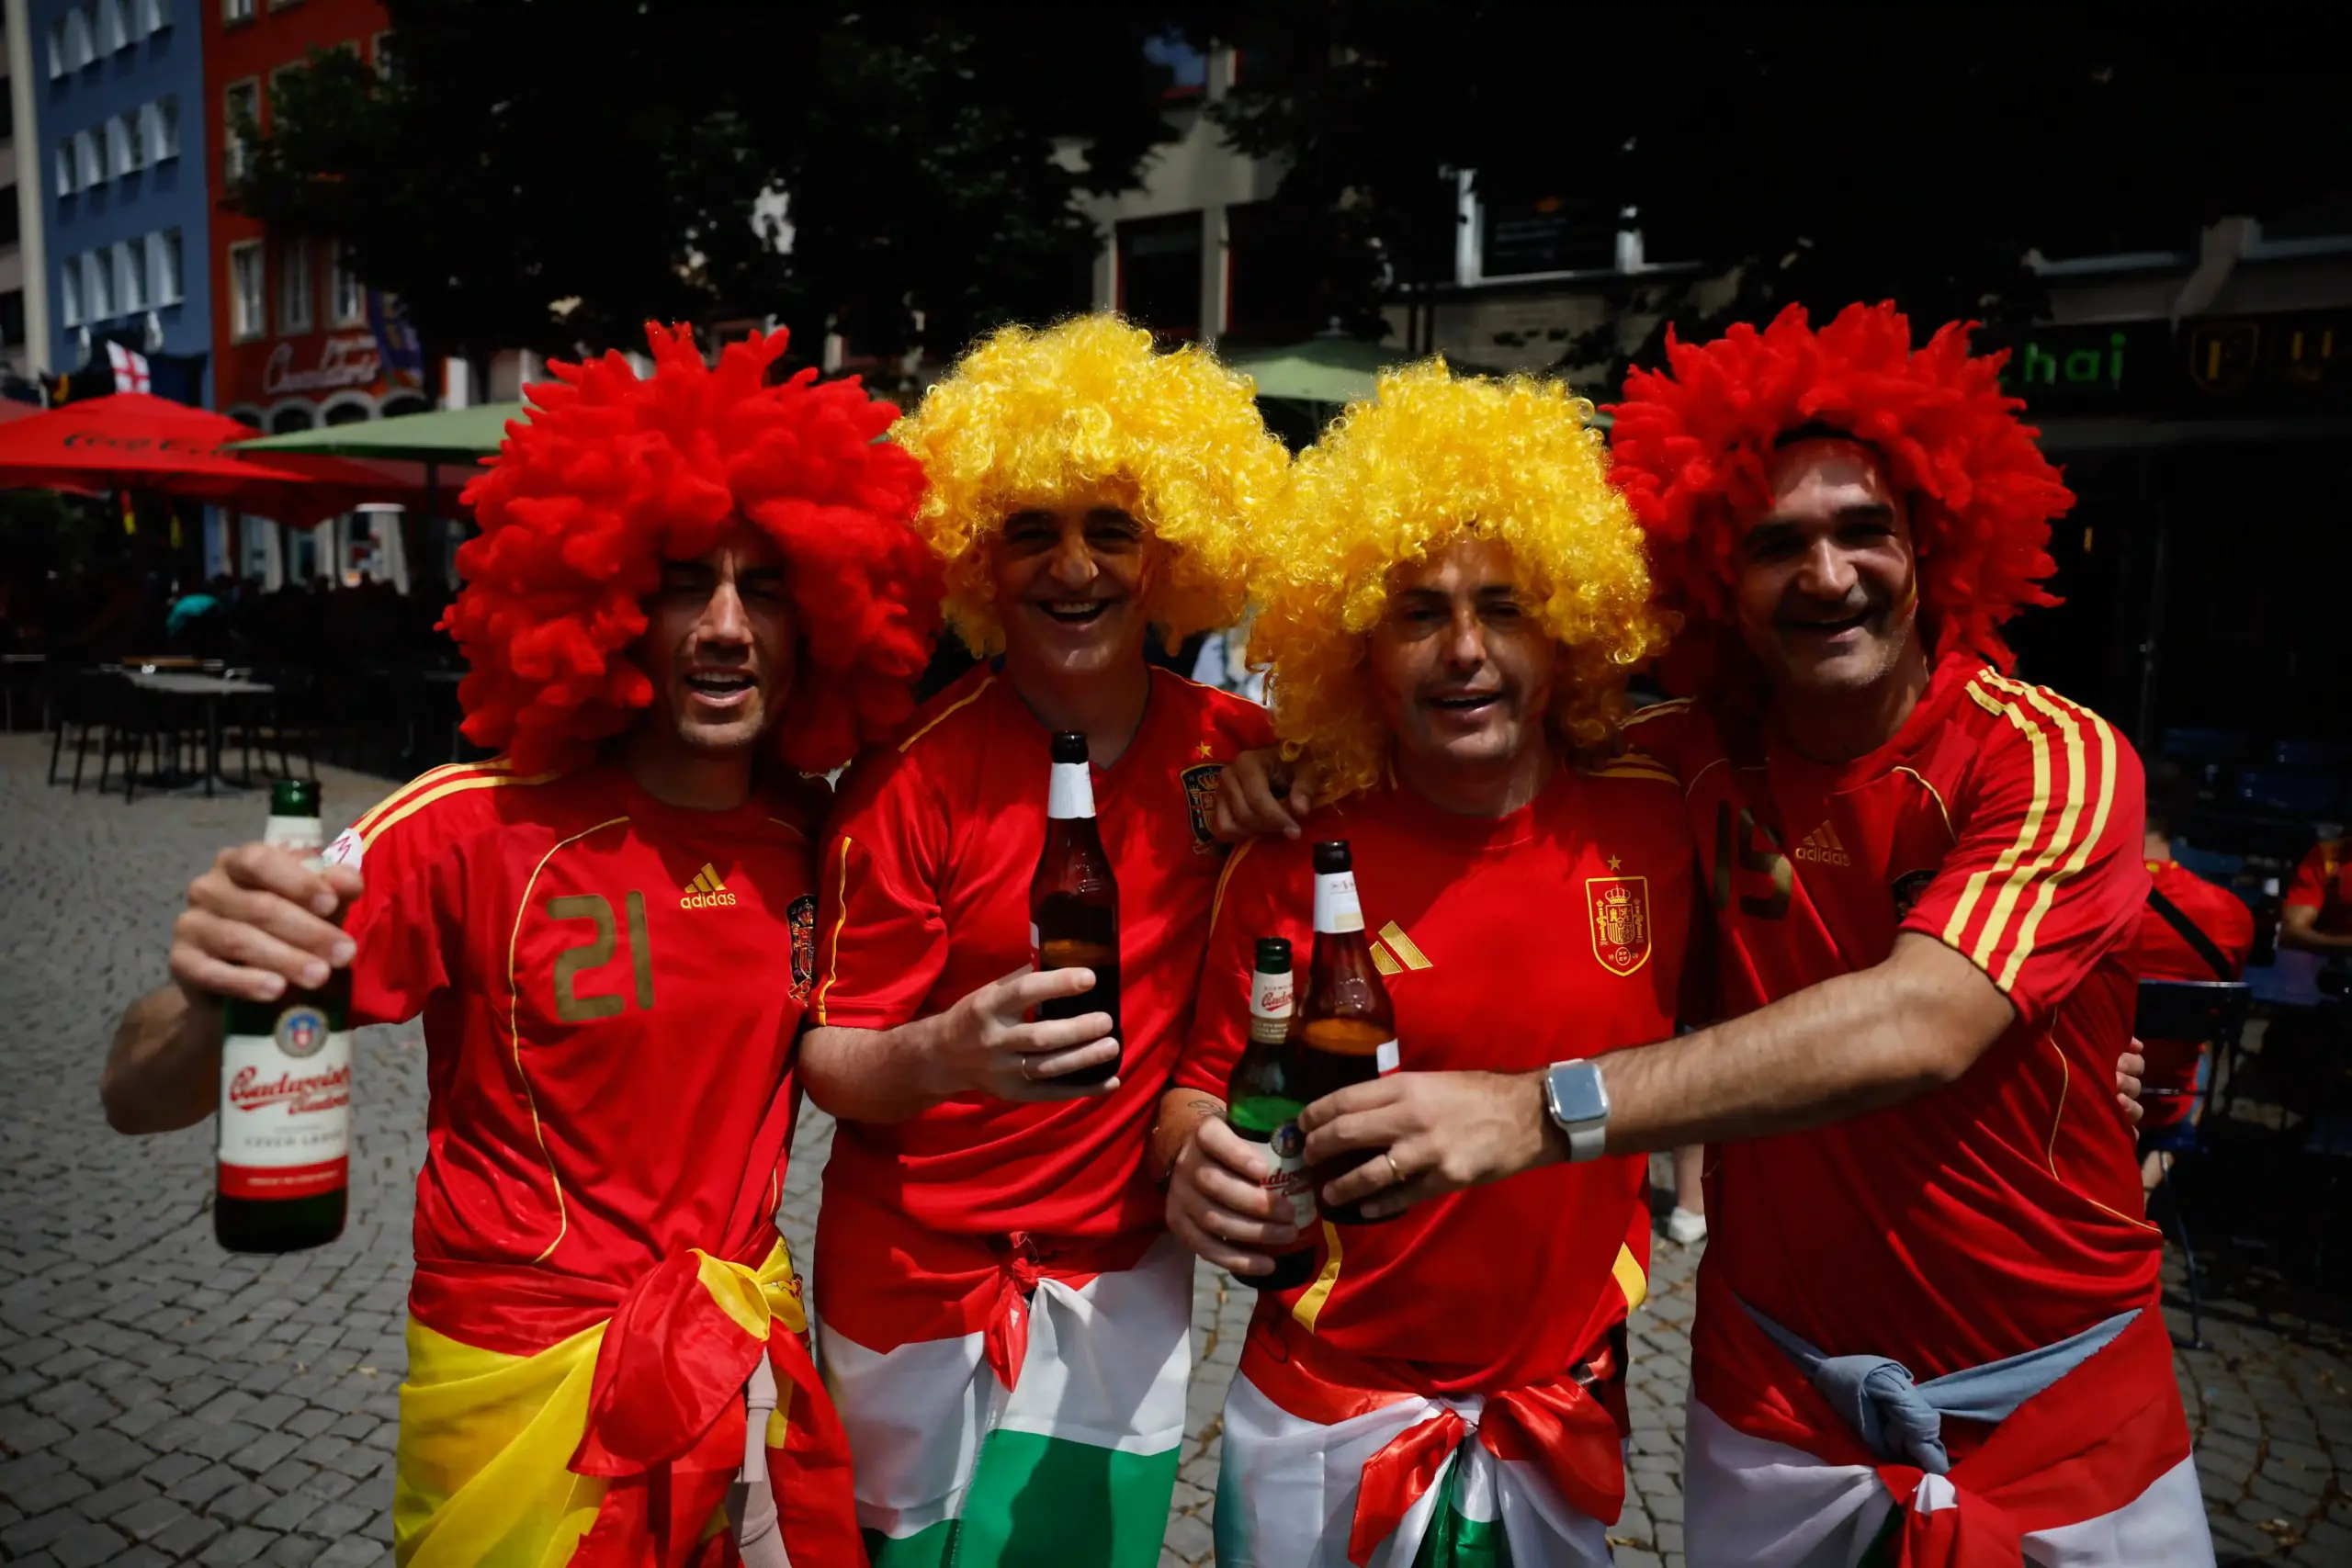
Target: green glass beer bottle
[(285, 1135), (1262, 1103)]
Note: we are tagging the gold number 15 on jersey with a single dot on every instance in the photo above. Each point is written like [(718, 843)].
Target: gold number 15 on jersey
[(595, 952)]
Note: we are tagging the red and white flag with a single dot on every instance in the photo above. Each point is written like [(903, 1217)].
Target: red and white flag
[(129, 368)]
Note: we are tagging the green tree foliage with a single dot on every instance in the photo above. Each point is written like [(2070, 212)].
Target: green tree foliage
[(1827, 155), (551, 174)]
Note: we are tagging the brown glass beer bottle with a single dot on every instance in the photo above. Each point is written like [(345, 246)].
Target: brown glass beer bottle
[(1262, 1104), (284, 1135), (1345, 1025), (1074, 900)]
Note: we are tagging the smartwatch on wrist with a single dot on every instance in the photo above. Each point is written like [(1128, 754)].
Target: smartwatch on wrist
[(1578, 1102)]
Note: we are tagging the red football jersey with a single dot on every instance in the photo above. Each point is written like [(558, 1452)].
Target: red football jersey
[(2323, 881), (924, 895), (2162, 953), (610, 989), (1508, 943), (2000, 1213)]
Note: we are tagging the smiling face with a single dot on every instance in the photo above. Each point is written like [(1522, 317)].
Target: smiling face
[(719, 643), (1460, 667), (1826, 582), (1070, 586)]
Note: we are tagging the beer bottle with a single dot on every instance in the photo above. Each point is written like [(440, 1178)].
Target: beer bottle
[(1262, 1104), (1074, 900), (1344, 1026), (284, 1148)]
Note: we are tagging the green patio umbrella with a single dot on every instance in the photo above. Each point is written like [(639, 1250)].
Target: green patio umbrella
[(444, 436), (1327, 369)]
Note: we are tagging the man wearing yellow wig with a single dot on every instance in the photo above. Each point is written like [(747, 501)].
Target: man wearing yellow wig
[(1455, 600), (1003, 1320)]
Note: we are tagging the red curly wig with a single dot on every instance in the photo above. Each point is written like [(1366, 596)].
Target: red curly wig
[(609, 474), (1693, 445)]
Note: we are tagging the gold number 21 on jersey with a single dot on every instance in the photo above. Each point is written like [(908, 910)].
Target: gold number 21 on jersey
[(595, 952)]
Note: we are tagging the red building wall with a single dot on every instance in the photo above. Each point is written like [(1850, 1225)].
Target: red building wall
[(284, 376)]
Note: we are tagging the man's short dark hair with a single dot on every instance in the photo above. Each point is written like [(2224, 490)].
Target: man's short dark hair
[(2171, 798)]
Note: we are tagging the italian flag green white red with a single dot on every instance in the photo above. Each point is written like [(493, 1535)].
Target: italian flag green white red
[(1287, 1489), (1074, 1465)]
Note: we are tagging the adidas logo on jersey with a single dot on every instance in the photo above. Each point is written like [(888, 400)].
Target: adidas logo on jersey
[(1394, 952), (1822, 847), (705, 891)]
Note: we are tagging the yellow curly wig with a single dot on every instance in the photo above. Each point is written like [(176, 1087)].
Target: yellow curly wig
[(1433, 458), (1085, 413)]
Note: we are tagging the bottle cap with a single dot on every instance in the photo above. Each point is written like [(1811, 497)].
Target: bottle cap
[(1333, 856), (1069, 746), (294, 797), (1274, 955)]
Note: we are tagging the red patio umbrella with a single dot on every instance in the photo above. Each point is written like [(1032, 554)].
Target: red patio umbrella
[(133, 441)]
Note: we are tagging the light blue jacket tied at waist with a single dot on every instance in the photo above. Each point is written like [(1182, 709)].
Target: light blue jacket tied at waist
[(1902, 1421)]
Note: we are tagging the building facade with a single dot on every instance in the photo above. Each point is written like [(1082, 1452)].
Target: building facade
[(296, 345), (117, 85), (21, 228)]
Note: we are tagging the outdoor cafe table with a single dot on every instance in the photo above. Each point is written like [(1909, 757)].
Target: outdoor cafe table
[(210, 689)]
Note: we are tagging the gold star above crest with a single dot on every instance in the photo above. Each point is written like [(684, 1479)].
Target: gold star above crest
[(1204, 749), (1614, 863)]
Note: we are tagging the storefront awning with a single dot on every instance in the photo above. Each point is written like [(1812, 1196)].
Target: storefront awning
[(444, 435)]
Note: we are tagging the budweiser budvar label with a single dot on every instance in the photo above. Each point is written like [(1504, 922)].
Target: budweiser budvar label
[(1270, 999), (286, 1108)]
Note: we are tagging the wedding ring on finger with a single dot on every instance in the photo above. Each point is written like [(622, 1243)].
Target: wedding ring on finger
[(1396, 1177)]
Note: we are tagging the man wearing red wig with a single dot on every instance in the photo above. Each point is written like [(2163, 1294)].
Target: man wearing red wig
[(1927, 1328), (688, 592)]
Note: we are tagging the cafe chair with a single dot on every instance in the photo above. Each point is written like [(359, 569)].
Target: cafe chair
[(2210, 1013)]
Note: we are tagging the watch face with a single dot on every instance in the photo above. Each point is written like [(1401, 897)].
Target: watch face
[(1576, 1094)]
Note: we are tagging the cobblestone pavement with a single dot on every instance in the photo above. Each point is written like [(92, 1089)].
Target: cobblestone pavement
[(162, 1401)]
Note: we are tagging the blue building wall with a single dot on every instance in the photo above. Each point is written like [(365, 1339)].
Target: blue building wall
[(161, 195)]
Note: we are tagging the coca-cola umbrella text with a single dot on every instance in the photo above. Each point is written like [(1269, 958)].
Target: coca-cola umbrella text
[(133, 441)]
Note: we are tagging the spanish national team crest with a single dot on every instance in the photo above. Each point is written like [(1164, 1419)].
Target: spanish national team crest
[(801, 918), (1200, 794), (1619, 909)]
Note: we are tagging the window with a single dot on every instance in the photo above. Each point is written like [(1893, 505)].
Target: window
[(78, 51), (57, 66), (159, 128), (241, 108), (246, 301), (346, 300), (155, 16), (163, 266), (1159, 274), (113, 33), (9, 217), (295, 294), (124, 153), (92, 161), (12, 316), (66, 183), (235, 11), (69, 292), (131, 276), (97, 285)]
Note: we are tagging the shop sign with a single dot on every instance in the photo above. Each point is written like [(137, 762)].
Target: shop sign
[(347, 360), (2285, 363)]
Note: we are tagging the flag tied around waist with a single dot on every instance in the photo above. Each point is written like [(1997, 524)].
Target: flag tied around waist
[(625, 1437), (1562, 1426), (2086, 1445)]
